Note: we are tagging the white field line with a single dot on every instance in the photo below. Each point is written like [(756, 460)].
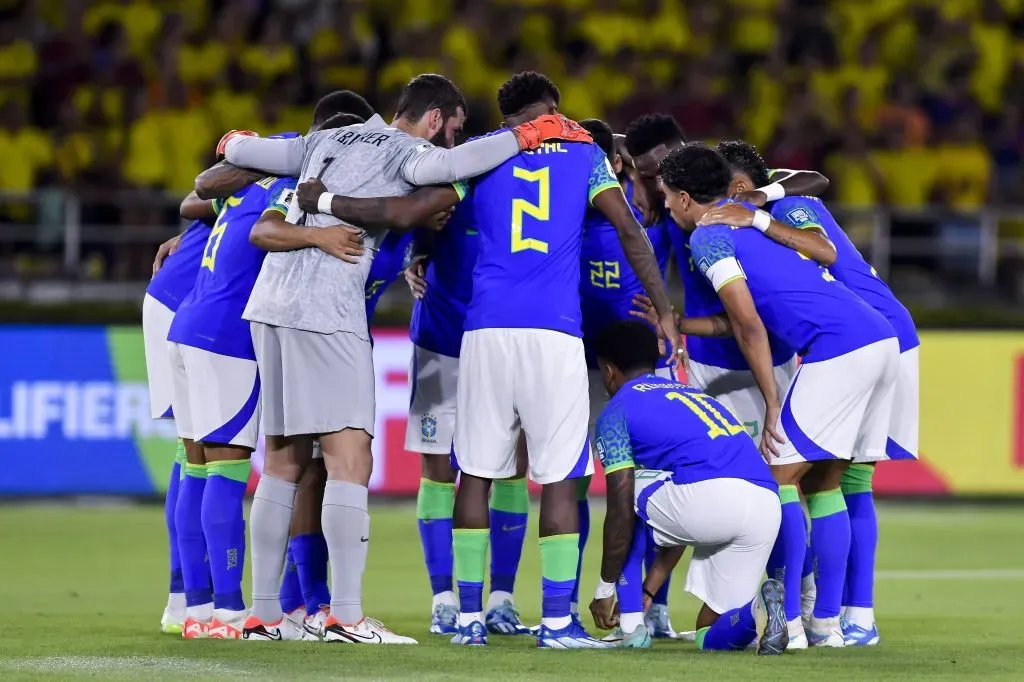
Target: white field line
[(121, 666)]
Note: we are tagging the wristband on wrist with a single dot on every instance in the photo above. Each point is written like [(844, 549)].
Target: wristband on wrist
[(773, 192), (649, 593), (762, 220), (323, 204), (604, 590)]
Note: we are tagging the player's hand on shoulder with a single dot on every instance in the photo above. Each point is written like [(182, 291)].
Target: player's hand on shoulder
[(549, 127), (341, 241), (165, 250), (308, 193), (733, 214), (755, 197), (437, 221), (770, 437), (222, 145), (415, 276)]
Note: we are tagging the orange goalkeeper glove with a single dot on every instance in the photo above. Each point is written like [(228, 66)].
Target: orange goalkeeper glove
[(533, 134), (222, 145)]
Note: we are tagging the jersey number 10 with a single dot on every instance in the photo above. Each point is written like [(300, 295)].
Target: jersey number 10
[(718, 424), (540, 211)]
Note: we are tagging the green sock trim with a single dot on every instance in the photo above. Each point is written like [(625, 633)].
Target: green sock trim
[(789, 494), (559, 555), (435, 500), (510, 496), (700, 637), (857, 479), (582, 488), (237, 470), (470, 548), (826, 503), (195, 470), (179, 454)]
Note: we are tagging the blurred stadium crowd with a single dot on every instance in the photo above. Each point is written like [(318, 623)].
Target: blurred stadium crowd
[(904, 103)]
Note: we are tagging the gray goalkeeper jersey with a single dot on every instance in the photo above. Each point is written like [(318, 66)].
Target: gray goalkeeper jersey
[(308, 289)]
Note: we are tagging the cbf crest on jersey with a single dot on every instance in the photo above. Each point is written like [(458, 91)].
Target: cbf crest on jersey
[(428, 427), (801, 216)]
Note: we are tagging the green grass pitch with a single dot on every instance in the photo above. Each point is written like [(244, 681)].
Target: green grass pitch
[(81, 591)]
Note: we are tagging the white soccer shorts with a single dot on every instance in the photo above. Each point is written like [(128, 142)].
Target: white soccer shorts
[(840, 408), (731, 524), (156, 322), (433, 382), (904, 423), (216, 397), (599, 396), (738, 391), (534, 380)]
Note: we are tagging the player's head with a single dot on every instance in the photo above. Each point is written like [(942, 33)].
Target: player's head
[(626, 350), (340, 102), (693, 177), (432, 107), (749, 171), (339, 121), (603, 138), (648, 140), (527, 95)]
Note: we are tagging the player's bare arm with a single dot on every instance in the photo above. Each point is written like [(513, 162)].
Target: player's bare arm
[(618, 523), (273, 233), (752, 338), (224, 179), (640, 255), (810, 242), (194, 208), (664, 563), (785, 183), (398, 213), (707, 326)]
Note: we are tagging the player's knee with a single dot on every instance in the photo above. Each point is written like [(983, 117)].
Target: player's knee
[(282, 468), (437, 468), (790, 474), (824, 476), (194, 453)]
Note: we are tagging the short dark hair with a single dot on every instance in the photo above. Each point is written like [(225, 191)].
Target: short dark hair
[(341, 102), (340, 121), (698, 170), (430, 91), (744, 158), (629, 345), (650, 130), (526, 88), (602, 134)]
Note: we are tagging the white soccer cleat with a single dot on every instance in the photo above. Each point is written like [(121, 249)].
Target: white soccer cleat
[(256, 630), (172, 622), (658, 623), (366, 631), (314, 625), (615, 636), (293, 627), (687, 635), (825, 632), (797, 636)]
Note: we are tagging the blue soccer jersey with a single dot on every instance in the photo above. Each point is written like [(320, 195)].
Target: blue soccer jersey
[(171, 284), (391, 260), (798, 300), (656, 423), (700, 300), (530, 213), (850, 267), (438, 319), (608, 283), (211, 316)]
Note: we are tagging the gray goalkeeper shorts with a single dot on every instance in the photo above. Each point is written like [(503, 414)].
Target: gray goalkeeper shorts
[(313, 383)]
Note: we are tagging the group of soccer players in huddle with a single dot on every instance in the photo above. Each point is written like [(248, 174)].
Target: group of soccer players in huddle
[(542, 333)]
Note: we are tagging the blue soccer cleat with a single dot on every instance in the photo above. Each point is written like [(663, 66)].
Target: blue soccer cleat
[(503, 619), (638, 639), (770, 617), (444, 620), (572, 636), (854, 635), (474, 634)]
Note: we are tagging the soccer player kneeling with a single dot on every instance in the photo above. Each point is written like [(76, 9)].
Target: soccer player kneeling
[(700, 482)]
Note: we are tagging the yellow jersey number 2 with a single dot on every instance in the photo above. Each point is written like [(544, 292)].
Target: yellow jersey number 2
[(216, 234), (540, 211), (718, 424)]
